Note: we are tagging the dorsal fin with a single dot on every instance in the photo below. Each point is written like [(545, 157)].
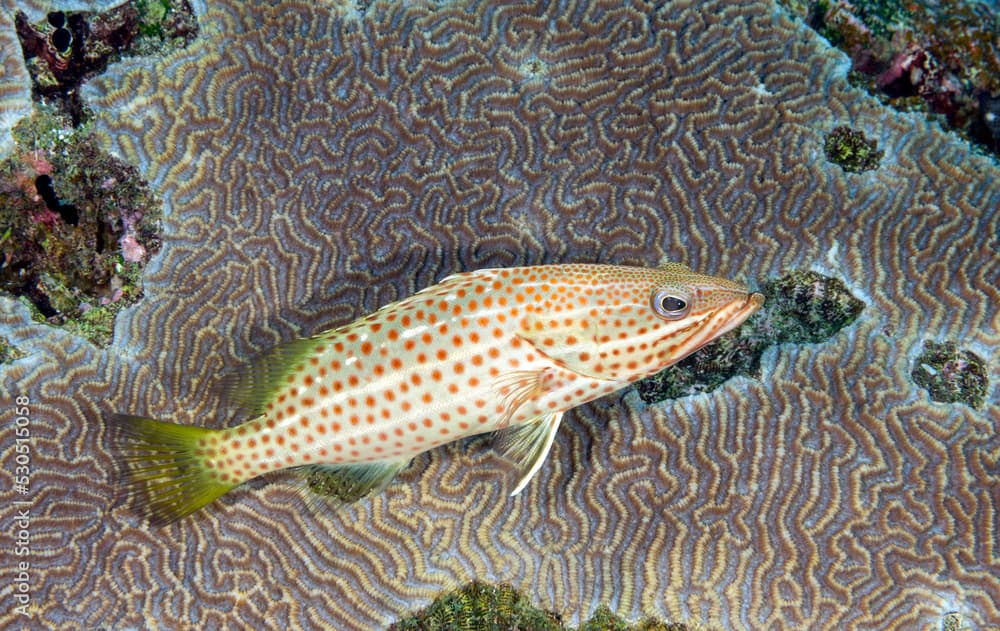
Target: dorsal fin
[(253, 386)]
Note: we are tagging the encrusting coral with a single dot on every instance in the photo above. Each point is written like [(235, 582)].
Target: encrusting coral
[(318, 162)]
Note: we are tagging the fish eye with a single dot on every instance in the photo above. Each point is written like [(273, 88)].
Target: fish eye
[(669, 304)]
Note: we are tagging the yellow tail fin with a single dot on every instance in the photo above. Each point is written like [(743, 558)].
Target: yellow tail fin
[(162, 467)]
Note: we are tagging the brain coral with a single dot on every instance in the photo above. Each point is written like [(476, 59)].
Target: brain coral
[(316, 166), (15, 85)]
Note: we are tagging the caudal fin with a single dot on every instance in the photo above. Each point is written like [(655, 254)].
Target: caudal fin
[(162, 467)]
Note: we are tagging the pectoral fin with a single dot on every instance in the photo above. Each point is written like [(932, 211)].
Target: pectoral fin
[(529, 445)]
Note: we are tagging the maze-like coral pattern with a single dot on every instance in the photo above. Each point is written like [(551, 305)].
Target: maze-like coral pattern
[(15, 85), (315, 168)]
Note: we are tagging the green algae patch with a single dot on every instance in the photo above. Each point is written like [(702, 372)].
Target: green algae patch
[(9, 352), (850, 150), (604, 620), (801, 307), (77, 226), (951, 374), (481, 607), (484, 607)]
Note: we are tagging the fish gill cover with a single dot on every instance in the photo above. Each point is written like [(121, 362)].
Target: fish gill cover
[(315, 167)]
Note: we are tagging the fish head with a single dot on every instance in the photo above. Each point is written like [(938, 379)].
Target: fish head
[(633, 322), (687, 310)]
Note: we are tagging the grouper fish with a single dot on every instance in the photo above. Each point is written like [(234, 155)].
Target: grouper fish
[(505, 350)]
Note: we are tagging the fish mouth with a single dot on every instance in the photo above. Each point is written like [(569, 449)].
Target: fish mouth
[(754, 301), (750, 305)]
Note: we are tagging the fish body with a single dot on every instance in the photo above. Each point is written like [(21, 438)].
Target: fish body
[(507, 349)]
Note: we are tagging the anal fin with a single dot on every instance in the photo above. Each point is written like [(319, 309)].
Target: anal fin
[(529, 445), (346, 483)]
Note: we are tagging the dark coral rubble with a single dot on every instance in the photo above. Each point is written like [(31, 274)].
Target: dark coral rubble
[(66, 48), (481, 606), (801, 307), (851, 150), (942, 57), (77, 226), (951, 374)]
